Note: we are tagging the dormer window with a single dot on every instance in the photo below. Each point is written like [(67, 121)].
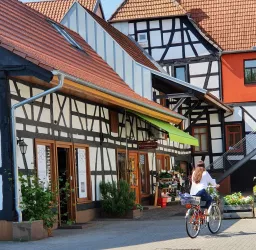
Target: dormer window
[(66, 35)]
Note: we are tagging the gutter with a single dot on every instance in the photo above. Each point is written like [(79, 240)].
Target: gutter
[(237, 51), (115, 94), (13, 128)]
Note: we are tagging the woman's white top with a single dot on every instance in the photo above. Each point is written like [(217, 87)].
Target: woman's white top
[(203, 184)]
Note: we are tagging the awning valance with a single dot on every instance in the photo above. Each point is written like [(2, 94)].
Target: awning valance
[(175, 134)]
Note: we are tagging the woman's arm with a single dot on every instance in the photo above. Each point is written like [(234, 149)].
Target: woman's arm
[(210, 180)]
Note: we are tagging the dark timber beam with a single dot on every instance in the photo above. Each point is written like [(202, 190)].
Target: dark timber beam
[(174, 96), (5, 143), (197, 119), (179, 103)]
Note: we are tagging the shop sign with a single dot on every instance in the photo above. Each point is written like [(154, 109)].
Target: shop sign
[(147, 144)]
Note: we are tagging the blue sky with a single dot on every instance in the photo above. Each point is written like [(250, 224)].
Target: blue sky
[(109, 6)]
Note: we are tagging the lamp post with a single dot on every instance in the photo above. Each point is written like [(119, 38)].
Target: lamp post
[(23, 146), (23, 149)]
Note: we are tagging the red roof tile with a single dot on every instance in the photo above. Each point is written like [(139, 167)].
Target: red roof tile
[(22, 29), (139, 9), (56, 9), (231, 24)]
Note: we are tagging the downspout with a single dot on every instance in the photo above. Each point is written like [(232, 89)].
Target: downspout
[(13, 128)]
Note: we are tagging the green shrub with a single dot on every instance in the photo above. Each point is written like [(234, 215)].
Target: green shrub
[(237, 199), (37, 202), (117, 200)]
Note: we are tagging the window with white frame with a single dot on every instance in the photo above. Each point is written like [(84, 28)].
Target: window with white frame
[(142, 37)]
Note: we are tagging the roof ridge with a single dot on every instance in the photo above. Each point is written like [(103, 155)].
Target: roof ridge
[(179, 6), (117, 9)]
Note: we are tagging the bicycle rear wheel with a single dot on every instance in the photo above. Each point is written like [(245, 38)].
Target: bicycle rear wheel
[(214, 220), (192, 223)]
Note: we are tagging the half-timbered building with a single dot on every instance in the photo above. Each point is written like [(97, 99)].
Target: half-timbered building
[(77, 116), (139, 69), (203, 44)]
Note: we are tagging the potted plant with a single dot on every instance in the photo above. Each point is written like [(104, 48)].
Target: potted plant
[(39, 210), (118, 201)]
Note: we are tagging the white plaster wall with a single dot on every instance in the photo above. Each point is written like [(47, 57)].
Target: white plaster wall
[(154, 24), (216, 132), (131, 28), (201, 50), (198, 68), (198, 81), (174, 53), (166, 37), (141, 25), (138, 79), (176, 37), (214, 119), (157, 53), (125, 27), (119, 61), (177, 23), (217, 146), (66, 110), (147, 87), (110, 51), (129, 70), (215, 67), (167, 24), (155, 38), (100, 42), (192, 36), (250, 124), (188, 51), (213, 82), (237, 115)]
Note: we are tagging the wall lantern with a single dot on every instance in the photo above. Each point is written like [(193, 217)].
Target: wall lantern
[(23, 146)]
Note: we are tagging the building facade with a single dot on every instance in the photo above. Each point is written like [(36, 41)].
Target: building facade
[(190, 40), (85, 131)]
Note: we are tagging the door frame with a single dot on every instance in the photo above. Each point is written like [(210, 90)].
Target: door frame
[(71, 173), (138, 153), (138, 189)]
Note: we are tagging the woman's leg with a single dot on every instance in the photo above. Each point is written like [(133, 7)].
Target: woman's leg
[(205, 197)]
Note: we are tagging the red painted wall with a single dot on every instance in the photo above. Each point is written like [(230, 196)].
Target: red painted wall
[(234, 89)]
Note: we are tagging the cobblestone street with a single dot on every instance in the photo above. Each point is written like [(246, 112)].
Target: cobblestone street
[(158, 229)]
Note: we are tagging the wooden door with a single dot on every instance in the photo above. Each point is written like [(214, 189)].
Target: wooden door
[(65, 155), (133, 175)]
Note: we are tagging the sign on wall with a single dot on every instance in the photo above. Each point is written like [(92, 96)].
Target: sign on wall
[(81, 172), (147, 145)]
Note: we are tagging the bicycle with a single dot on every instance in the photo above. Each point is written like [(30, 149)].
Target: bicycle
[(195, 217)]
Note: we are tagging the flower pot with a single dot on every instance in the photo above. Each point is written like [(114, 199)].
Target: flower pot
[(162, 201), (29, 230)]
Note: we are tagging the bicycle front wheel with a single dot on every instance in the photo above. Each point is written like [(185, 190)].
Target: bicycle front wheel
[(192, 223), (214, 220)]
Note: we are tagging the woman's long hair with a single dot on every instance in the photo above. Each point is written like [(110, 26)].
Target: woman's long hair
[(198, 172)]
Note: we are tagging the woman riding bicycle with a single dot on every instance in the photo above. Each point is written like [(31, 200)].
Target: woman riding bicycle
[(200, 181)]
